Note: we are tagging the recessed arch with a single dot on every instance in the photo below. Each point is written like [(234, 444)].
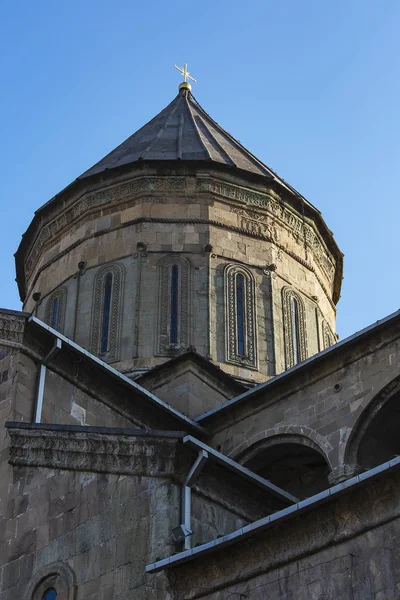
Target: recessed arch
[(57, 575), (290, 459), (374, 438)]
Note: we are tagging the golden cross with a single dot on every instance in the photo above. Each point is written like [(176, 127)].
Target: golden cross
[(185, 73)]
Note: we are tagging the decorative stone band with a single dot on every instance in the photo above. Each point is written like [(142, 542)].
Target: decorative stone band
[(91, 201), (274, 206), (196, 221), (127, 193), (12, 328), (101, 450)]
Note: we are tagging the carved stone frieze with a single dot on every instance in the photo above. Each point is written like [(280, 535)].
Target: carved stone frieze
[(276, 208), (98, 199), (102, 453), (12, 328)]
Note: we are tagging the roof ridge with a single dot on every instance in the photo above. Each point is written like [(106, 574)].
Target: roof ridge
[(173, 106), (236, 142), (196, 127)]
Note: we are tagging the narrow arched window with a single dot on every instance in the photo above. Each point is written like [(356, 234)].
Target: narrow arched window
[(174, 304), (240, 314), (295, 330), (54, 312), (55, 309), (50, 594), (327, 335), (105, 326), (107, 311), (173, 333), (241, 346), (294, 327)]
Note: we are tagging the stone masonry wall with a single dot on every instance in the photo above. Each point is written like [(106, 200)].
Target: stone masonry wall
[(323, 406)]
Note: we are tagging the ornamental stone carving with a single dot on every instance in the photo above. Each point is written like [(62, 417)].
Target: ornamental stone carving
[(55, 316), (248, 357), (164, 344), (11, 328), (115, 317), (289, 325)]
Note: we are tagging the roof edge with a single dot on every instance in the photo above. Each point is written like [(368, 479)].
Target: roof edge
[(299, 368)]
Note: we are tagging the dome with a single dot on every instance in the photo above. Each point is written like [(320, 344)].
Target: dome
[(178, 238)]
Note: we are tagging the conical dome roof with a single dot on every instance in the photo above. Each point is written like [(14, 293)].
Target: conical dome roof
[(182, 131)]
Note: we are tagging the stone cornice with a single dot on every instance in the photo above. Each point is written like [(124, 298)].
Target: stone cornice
[(91, 202), (139, 453), (194, 221)]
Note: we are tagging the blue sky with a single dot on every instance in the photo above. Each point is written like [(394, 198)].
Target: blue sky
[(311, 87)]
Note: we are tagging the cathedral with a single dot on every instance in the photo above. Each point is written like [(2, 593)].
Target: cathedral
[(178, 419)]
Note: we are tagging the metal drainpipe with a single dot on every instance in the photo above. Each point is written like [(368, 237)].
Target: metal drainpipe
[(191, 478), (42, 379)]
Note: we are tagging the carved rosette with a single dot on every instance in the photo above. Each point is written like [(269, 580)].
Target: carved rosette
[(287, 295), (117, 272), (249, 359)]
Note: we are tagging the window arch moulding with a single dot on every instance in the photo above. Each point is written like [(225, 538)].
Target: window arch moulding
[(327, 335), (240, 317), (56, 576), (173, 331), (55, 309), (107, 311), (294, 324)]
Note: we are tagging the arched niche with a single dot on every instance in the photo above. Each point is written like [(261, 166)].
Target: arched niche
[(292, 462), (375, 438), (57, 576)]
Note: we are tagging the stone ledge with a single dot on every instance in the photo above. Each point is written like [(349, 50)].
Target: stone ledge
[(126, 452)]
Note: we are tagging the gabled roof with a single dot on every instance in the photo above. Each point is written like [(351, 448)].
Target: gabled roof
[(182, 131)]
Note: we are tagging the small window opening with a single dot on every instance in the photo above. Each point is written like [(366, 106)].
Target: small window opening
[(54, 312), (173, 335), (240, 313), (295, 331), (105, 327), (50, 594)]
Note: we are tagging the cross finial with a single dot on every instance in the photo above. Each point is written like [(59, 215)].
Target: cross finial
[(185, 85)]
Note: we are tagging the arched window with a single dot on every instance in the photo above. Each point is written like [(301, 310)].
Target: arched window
[(240, 313), (107, 311), (55, 309), (294, 328), (50, 594), (173, 326), (173, 311), (327, 335), (105, 325), (241, 347)]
